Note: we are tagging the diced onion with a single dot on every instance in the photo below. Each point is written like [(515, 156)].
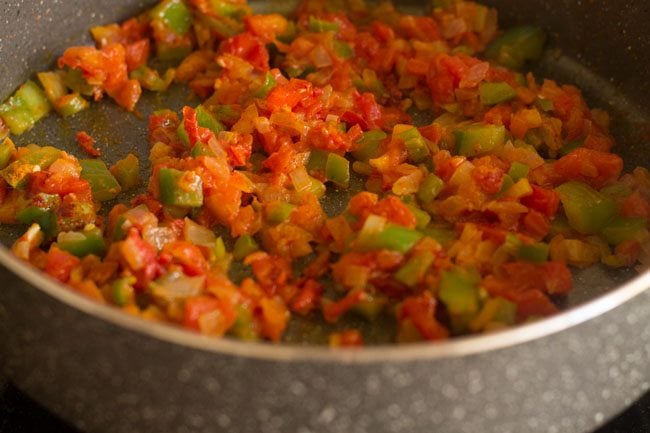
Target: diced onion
[(197, 234)]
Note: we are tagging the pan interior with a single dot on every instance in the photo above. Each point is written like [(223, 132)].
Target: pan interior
[(118, 133)]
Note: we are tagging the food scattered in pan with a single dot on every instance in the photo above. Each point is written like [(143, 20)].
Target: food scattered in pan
[(465, 224)]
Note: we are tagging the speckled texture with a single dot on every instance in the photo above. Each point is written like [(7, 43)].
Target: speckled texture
[(107, 379)]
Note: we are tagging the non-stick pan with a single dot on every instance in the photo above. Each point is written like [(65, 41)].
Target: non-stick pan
[(108, 372)]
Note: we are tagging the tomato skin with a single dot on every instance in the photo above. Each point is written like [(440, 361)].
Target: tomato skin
[(421, 311), (545, 201), (250, 48), (593, 167), (59, 264), (332, 311), (533, 303), (196, 307), (137, 54), (307, 298), (187, 255), (267, 27)]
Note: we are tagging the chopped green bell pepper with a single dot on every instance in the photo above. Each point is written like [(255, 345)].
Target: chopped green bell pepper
[(343, 50), (430, 188), (44, 217), (443, 236), (15, 174), (266, 87), (459, 291), (369, 145), (371, 306), (317, 161), (279, 213), (337, 170), (71, 104), (26, 107), (7, 149), (180, 188), (103, 184), (127, 172), (517, 46), (533, 253), (244, 327), (176, 16), (518, 171), (318, 25), (479, 139), (587, 210), (244, 246), (206, 119), (570, 147), (416, 145), (81, 244), (623, 229), (422, 218), (496, 93), (150, 79), (392, 237), (53, 85), (413, 271), (123, 291), (546, 105)]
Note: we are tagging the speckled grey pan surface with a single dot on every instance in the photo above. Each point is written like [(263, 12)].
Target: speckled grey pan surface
[(110, 373)]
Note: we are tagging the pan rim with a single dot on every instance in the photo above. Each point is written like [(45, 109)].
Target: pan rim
[(453, 348)]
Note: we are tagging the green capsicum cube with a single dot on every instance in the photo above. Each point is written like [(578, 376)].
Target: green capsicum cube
[(517, 46), (244, 327), (416, 145), (371, 306), (413, 271), (45, 218), (369, 145), (430, 188), (182, 135), (176, 16), (206, 119), (546, 105), (123, 291), (422, 218), (102, 183), (265, 88), (533, 253), (317, 161), (26, 107), (443, 236), (393, 238), (337, 170), (84, 243), (53, 85), (518, 171), (587, 210), (244, 246), (496, 93), (319, 26), (279, 213), (201, 149), (459, 291), (15, 174), (180, 188), (623, 229), (7, 150), (479, 139), (71, 104), (343, 50), (127, 172)]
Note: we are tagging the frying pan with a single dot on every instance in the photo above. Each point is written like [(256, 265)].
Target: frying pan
[(107, 372)]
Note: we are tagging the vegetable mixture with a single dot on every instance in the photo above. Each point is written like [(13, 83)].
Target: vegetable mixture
[(465, 224)]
